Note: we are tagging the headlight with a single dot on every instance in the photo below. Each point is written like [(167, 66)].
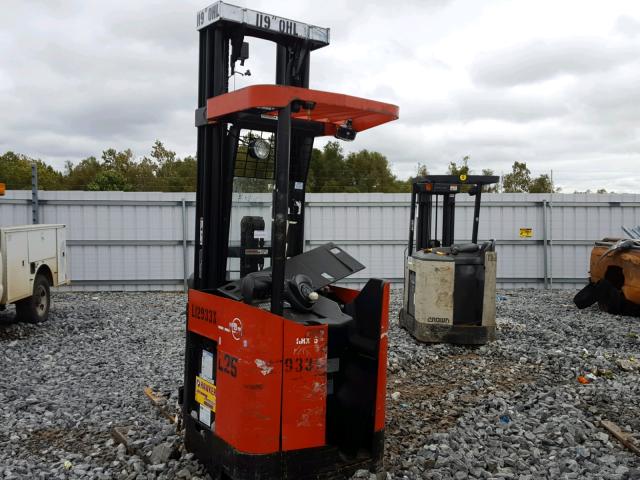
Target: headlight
[(259, 148)]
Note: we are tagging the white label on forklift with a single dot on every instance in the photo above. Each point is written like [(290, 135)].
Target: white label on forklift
[(205, 415), (298, 185), (264, 21), (207, 365), (259, 234)]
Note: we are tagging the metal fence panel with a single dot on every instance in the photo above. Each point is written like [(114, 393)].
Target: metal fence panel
[(134, 240)]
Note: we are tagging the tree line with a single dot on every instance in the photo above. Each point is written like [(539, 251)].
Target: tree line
[(330, 170), (161, 170)]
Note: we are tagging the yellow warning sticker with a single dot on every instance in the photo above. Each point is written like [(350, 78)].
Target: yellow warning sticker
[(526, 232), (206, 393)]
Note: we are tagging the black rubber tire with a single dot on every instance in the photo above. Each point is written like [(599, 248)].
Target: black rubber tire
[(35, 309), (610, 299), (586, 297)]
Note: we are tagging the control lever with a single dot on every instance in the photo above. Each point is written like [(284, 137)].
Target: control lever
[(299, 290)]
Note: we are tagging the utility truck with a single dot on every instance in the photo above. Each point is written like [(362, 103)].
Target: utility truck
[(33, 259)]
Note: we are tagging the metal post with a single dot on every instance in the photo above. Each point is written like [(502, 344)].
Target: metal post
[(476, 215), (544, 244), (435, 226), (426, 220), (280, 209), (446, 237), (35, 211), (211, 235), (448, 220), (185, 267), (550, 203), (412, 220)]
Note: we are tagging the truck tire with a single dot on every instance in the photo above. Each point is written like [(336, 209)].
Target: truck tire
[(586, 297), (35, 309)]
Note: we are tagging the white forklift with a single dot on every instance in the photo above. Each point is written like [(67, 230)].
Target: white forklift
[(449, 288), (33, 259)]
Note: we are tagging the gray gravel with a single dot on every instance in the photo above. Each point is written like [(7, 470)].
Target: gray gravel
[(512, 409)]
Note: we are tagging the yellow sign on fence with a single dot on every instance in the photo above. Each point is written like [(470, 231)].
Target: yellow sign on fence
[(526, 232)]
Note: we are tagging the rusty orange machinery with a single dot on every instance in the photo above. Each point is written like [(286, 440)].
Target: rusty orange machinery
[(621, 267)]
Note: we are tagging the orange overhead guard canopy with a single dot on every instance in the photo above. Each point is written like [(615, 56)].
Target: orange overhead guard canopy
[(330, 109)]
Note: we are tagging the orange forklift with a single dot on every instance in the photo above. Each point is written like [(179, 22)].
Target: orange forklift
[(285, 372)]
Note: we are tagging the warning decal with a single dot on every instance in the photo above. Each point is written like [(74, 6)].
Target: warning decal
[(206, 393), (526, 232)]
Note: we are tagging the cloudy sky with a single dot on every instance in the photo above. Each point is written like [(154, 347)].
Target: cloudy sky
[(552, 83)]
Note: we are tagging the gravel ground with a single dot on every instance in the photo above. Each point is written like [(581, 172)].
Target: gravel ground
[(512, 409)]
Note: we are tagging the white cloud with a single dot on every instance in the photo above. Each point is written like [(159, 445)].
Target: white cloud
[(550, 83), (541, 60)]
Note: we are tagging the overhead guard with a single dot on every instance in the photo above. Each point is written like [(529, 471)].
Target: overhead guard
[(331, 109)]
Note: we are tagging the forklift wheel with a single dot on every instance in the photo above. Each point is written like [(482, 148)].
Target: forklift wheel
[(35, 309)]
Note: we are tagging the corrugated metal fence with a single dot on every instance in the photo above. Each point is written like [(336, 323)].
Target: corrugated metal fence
[(144, 241)]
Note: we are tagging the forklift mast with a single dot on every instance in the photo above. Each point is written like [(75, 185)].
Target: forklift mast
[(222, 30), (425, 198)]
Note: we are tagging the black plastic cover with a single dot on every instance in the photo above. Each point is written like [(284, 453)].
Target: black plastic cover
[(324, 265)]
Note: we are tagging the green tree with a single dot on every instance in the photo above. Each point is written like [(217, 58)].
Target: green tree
[(370, 172), (162, 170), (541, 184), (161, 155), (458, 171), (178, 175), (165, 171), (79, 176), (327, 169), (518, 180), (422, 170), (463, 169), (15, 172), (109, 180), (495, 188), (137, 176), (363, 171), (407, 185)]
